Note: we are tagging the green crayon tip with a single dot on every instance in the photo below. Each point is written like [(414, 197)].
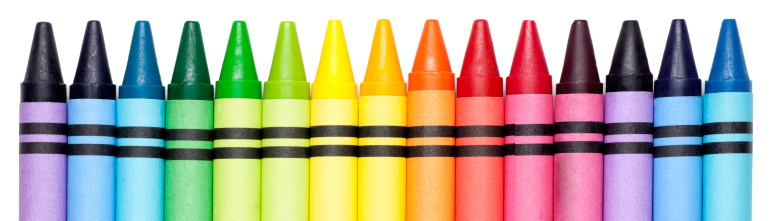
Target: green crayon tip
[(191, 78), (238, 78), (287, 79)]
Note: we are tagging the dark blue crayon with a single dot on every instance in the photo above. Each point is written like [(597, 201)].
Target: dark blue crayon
[(91, 143), (140, 132), (727, 129)]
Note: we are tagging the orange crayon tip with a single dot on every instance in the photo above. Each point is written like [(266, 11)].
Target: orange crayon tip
[(431, 70), (383, 75)]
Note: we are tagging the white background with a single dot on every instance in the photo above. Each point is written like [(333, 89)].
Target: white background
[(553, 18)]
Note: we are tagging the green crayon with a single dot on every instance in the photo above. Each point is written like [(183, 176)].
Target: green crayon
[(237, 154), (188, 172), (285, 168)]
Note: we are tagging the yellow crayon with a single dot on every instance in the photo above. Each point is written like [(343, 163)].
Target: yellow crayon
[(333, 135), (382, 133)]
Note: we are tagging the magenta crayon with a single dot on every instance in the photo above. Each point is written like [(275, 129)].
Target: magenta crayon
[(578, 127), (529, 131), (43, 133)]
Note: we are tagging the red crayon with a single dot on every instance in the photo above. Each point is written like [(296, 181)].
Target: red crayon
[(529, 137), (479, 108)]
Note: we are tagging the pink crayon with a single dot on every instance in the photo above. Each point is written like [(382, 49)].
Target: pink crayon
[(529, 106)]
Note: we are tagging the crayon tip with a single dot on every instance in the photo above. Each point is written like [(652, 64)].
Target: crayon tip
[(383, 75), (287, 78), (191, 63), (729, 71), (529, 71), (43, 64), (579, 74), (678, 62), (431, 53), (142, 67), (238, 63), (335, 67), (479, 55), (629, 56), (93, 64)]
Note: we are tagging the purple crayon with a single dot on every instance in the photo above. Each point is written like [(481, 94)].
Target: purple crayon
[(628, 182), (43, 133)]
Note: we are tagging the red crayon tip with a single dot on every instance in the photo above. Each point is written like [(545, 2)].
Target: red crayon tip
[(479, 76), (431, 66), (529, 72)]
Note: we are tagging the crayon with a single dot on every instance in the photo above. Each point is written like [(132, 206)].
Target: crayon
[(140, 133), (236, 165), (91, 118), (578, 124), (43, 132), (285, 163), (382, 132), (188, 168), (333, 132), (628, 185), (727, 129), (479, 140), (677, 131), (529, 136), (430, 121)]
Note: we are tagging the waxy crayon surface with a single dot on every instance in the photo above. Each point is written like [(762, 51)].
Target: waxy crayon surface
[(43, 132)]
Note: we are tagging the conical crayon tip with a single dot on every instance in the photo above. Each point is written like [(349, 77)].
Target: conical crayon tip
[(629, 56), (431, 53), (142, 67), (383, 75), (678, 62), (529, 71), (287, 64), (479, 56), (43, 64), (729, 71), (93, 64), (191, 63), (238, 63), (579, 74), (334, 78)]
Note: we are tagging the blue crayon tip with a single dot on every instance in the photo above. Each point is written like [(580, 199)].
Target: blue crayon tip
[(729, 71), (678, 75), (142, 78)]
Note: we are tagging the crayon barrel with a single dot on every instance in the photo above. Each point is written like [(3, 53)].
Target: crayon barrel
[(237, 159), (578, 157), (140, 159), (333, 159), (529, 160), (628, 191), (285, 163), (430, 152), (42, 158), (188, 168), (727, 160), (677, 158), (91, 159), (382, 162)]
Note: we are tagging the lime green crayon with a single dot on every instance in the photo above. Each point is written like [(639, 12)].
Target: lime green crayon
[(188, 171), (237, 153), (285, 166)]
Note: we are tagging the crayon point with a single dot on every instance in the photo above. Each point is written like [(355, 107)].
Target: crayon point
[(431, 53), (678, 61), (579, 73), (43, 64), (729, 71), (529, 70), (287, 64), (334, 79), (629, 56), (142, 67), (93, 64), (383, 75), (191, 63), (238, 63), (479, 55)]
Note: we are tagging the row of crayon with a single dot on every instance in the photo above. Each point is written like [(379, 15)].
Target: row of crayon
[(398, 152)]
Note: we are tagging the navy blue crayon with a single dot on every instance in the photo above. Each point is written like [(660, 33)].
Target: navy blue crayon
[(677, 131), (140, 133), (91, 142), (727, 129)]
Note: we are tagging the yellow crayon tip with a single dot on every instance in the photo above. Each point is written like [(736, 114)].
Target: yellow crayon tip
[(334, 78), (383, 75)]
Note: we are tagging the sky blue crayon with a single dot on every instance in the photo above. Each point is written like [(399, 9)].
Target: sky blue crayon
[(91, 117), (140, 132), (677, 131), (727, 129)]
